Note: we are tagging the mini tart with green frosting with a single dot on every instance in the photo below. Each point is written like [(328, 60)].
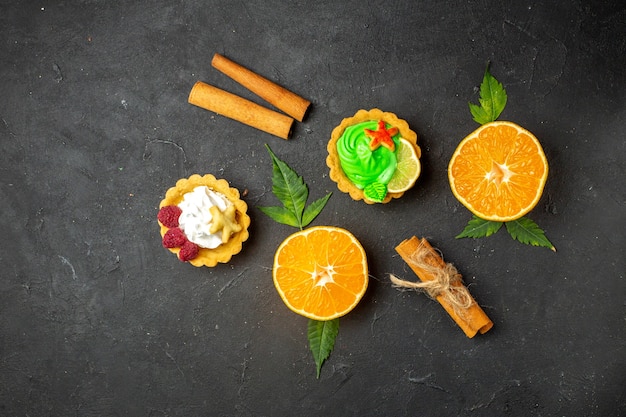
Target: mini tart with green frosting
[(362, 157), (210, 257)]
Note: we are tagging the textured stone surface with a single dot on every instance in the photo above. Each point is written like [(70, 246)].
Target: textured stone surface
[(96, 318)]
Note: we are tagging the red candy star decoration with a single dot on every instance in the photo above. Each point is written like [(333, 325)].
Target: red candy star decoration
[(382, 136)]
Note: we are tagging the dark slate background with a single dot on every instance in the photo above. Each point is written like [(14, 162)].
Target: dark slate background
[(97, 319)]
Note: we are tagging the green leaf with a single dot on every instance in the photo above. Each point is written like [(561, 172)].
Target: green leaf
[(478, 227), (479, 114), (313, 209), (375, 191), (291, 190), (281, 215), (288, 186), (526, 231), (322, 335), (492, 100)]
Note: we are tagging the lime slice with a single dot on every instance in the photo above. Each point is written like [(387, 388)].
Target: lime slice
[(408, 168)]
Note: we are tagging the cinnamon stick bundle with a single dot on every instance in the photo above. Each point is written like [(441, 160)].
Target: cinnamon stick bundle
[(238, 108), (278, 96), (442, 282)]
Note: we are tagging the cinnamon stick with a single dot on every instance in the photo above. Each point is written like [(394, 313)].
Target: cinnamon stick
[(279, 97), (442, 282), (238, 108)]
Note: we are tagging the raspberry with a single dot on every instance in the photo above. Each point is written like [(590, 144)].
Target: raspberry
[(188, 251), (169, 215), (174, 238)]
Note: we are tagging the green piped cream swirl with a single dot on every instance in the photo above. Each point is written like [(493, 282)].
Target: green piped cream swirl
[(361, 165)]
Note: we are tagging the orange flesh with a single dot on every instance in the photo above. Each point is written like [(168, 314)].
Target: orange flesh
[(320, 272), (499, 171)]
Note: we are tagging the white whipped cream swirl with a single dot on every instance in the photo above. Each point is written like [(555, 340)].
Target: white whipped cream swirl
[(195, 220)]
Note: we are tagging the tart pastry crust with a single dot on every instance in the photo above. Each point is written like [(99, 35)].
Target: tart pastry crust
[(224, 252), (333, 162)]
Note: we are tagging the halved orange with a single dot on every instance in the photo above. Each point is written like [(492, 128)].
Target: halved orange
[(321, 272), (498, 171)]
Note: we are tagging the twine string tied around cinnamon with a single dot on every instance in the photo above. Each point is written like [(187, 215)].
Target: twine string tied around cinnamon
[(445, 282)]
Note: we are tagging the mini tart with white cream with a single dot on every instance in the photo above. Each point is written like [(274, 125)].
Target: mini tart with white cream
[(203, 220)]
